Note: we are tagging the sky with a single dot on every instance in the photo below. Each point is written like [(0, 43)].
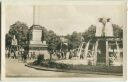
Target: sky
[(64, 19)]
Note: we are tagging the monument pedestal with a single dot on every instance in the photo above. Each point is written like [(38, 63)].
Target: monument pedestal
[(36, 46)]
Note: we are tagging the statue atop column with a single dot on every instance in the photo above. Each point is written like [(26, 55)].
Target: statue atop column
[(108, 28), (104, 28), (99, 28), (14, 40)]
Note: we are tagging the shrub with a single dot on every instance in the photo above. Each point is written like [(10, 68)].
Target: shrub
[(40, 59)]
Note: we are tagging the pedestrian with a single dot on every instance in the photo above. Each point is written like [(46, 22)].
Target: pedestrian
[(33, 55), (82, 55), (29, 55), (7, 52), (58, 55), (70, 54), (65, 53), (22, 53), (62, 54), (13, 54), (25, 57)]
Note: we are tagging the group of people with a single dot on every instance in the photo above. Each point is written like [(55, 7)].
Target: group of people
[(71, 54), (23, 55), (18, 53)]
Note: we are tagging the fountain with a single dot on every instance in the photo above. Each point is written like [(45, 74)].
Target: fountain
[(117, 61), (86, 49), (80, 49), (104, 32)]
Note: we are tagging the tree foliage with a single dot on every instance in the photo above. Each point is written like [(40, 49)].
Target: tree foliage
[(8, 39), (74, 40), (20, 30), (118, 31), (90, 33), (53, 41)]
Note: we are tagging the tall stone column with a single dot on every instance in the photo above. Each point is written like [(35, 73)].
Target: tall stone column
[(86, 49), (107, 54), (36, 15)]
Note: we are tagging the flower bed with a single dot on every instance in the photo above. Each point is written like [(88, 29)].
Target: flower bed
[(81, 67)]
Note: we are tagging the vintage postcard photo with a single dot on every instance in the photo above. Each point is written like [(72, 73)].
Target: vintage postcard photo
[(65, 40)]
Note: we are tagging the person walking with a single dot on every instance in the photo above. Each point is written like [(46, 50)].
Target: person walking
[(22, 53), (70, 54), (25, 57), (82, 55)]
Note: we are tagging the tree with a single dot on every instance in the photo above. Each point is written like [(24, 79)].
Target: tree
[(90, 33), (8, 39), (118, 31), (52, 41), (74, 40), (20, 30)]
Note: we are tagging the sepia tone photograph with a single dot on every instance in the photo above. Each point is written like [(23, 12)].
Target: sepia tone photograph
[(64, 40)]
